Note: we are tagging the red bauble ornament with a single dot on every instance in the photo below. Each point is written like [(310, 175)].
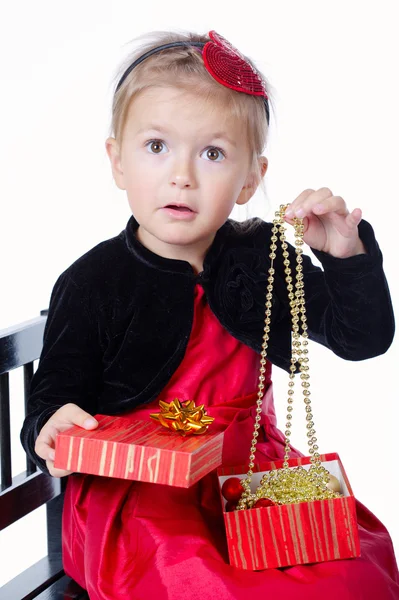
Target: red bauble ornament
[(230, 506), (232, 489), (262, 502)]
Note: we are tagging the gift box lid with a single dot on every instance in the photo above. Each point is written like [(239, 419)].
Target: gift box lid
[(138, 450)]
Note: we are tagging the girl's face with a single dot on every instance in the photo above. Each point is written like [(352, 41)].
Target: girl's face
[(178, 149)]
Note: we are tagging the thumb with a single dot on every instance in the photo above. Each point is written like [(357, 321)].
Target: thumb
[(89, 422), (76, 415)]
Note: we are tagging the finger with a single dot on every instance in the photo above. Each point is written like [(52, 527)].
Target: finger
[(303, 205), (45, 442), (346, 228), (299, 207), (333, 204), (56, 472), (305, 223), (72, 414), (296, 204), (288, 219), (354, 218)]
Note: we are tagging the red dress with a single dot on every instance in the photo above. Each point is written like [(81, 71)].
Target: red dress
[(127, 540)]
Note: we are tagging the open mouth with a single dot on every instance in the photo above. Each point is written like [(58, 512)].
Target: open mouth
[(179, 208)]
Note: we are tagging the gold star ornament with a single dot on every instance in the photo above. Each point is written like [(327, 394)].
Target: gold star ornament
[(183, 417)]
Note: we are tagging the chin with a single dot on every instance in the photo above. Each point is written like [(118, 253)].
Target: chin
[(177, 234), (179, 240)]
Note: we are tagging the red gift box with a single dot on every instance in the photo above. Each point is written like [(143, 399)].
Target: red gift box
[(138, 450), (291, 534)]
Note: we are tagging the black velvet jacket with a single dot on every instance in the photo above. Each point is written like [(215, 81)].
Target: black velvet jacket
[(120, 316)]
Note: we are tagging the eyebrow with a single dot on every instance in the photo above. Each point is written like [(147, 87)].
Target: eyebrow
[(219, 135)]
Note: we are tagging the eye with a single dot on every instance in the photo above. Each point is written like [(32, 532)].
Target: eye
[(213, 153), (155, 146)]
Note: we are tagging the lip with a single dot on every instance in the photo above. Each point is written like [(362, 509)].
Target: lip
[(180, 205), (179, 214)]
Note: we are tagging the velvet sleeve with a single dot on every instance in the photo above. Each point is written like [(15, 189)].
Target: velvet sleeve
[(69, 368), (348, 303)]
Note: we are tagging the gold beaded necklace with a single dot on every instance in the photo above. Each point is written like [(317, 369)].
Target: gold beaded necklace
[(288, 485)]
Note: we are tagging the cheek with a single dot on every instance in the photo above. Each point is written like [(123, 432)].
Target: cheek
[(225, 189), (223, 176), (140, 177)]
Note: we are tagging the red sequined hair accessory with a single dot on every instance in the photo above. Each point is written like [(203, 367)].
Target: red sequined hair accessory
[(230, 68), (223, 62)]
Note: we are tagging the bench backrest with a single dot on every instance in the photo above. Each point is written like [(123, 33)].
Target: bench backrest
[(20, 346)]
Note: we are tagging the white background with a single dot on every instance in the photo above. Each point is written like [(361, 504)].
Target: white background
[(333, 68)]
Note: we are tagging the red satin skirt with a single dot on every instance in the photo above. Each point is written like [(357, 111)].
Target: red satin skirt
[(127, 540)]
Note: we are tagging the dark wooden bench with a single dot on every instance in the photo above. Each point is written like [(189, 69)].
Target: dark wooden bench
[(19, 347)]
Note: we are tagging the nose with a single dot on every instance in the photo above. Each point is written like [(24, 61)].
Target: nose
[(183, 173)]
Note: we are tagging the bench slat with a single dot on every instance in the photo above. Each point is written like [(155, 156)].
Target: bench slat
[(64, 588), (5, 439), (26, 494), (22, 343), (28, 375), (33, 581)]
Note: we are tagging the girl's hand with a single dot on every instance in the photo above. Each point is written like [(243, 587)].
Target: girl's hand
[(64, 418), (328, 224)]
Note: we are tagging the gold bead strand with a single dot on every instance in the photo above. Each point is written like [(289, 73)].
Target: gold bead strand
[(317, 473), (295, 318), (247, 497), (288, 485), (303, 361)]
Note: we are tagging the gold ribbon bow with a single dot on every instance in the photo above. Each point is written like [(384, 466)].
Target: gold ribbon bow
[(183, 417)]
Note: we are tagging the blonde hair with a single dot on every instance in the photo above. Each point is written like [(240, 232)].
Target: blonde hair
[(183, 67)]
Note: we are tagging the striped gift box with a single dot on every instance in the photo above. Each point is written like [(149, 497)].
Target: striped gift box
[(291, 534), (139, 450)]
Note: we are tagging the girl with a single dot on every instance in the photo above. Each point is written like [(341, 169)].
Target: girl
[(174, 307)]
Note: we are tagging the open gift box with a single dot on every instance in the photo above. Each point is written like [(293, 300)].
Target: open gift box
[(138, 450), (291, 534)]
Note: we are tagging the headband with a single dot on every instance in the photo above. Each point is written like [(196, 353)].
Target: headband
[(223, 62)]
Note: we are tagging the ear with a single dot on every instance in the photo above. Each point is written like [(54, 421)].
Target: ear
[(112, 148), (252, 182)]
